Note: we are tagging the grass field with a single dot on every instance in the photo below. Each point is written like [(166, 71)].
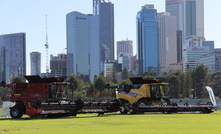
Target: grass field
[(117, 124)]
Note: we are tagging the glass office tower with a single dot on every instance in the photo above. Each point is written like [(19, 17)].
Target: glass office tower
[(193, 16), (83, 44), (35, 58), (105, 11), (13, 56), (175, 8), (147, 40)]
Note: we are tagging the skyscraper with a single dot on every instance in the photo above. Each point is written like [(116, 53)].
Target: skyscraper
[(90, 39), (148, 40), (124, 52), (35, 58), (193, 16), (168, 43), (175, 8), (13, 56), (105, 12), (212, 61), (83, 50), (125, 47), (58, 65), (179, 46), (192, 50), (192, 56)]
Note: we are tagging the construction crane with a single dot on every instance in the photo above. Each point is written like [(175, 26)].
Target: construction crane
[(46, 47), (63, 52)]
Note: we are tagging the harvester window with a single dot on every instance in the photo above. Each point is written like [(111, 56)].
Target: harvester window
[(156, 91), (53, 91), (160, 92), (62, 92)]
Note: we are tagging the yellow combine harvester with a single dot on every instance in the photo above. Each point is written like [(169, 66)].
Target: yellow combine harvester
[(145, 95)]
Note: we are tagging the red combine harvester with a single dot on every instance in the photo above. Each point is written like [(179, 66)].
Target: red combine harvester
[(48, 97)]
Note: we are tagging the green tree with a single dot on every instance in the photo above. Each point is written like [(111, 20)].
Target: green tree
[(149, 75), (187, 85), (175, 84), (17, 80), (200, 80), (91, 91), (75, 83), (114, 75), (131, 74), (124, 74), (215, 83), (100, 84), (5, 93)]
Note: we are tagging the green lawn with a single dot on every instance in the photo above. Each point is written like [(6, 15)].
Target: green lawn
[(118, 124)]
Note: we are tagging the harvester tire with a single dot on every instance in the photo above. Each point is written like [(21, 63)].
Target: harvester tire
[(123, 107), (16, 112)]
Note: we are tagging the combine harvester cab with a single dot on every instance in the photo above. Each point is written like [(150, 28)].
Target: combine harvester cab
[(145, 95)]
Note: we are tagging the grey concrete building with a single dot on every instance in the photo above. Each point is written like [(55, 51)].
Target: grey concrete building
[(58, 65), (168, 41)]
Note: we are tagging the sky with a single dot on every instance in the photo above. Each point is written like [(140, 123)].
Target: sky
[(29, 16)]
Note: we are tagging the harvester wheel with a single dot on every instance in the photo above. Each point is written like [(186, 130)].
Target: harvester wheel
[(144, 102), (16, 112), (123, 107)]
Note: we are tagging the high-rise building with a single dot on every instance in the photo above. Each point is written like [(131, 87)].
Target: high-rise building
[(133, 64), (193, 41), (58, 65), (124, 59), (148, 40), (90, 39), (175, 8), (125, 52), (193, 48), (2, 63), (209, 44), (193, 18), (83, 50), (179, 46), (13, 56), (212, 61), (124, 47), (192, 56), (190, 19), (35, 58), (109, 67), (105, 11), (168, 43)]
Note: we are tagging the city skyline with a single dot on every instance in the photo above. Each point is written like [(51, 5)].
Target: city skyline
[(24, 17)]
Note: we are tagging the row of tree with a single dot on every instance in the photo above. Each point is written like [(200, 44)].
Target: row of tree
[(182, 85)]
